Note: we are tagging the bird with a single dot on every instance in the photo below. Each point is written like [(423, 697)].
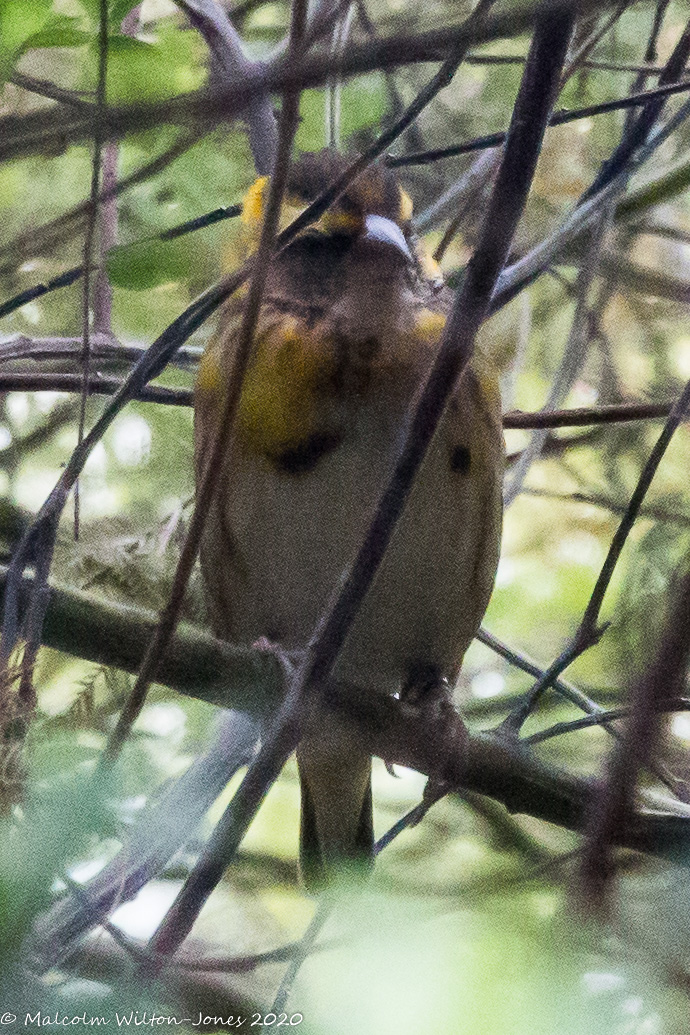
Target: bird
[(351, 318)]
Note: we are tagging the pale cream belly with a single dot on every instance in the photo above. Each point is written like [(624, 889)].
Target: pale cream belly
[(293, 535)]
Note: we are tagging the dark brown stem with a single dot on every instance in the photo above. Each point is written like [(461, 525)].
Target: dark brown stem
[(664, 678), (559, 118)]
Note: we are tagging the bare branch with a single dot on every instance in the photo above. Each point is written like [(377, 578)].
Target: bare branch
[(98, 385), (559, 118), (230, 65), (34, 133), (208, 669), (181, 916), (664, 678)]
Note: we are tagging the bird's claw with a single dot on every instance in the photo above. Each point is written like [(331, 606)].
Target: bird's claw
[(289, 660)]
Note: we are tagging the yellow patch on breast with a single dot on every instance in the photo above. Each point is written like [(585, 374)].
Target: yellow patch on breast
[(279, 404), (209, 377), (429, 325), (253, 204)]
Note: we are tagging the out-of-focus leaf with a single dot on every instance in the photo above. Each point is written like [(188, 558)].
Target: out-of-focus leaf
[(148, 263), (138, 70), (18, 22), (58, 32), (518, 968)]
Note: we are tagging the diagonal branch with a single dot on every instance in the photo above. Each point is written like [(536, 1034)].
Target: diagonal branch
[(589, 631), (664, 679), (230, 65), (530, 115)]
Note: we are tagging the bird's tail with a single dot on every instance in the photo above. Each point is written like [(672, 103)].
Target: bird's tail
[(336, 828)]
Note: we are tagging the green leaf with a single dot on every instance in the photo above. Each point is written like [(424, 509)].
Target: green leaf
[(58, 32), (18, 22), (146, 264), (152, 71)]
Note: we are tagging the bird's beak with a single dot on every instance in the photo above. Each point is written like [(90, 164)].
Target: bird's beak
[(381, 231)]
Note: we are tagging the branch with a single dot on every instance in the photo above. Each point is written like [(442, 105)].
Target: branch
[(98, 385), (615, 802), (57, 231), (196, 663), (531, 266), (574, 353), (588, 631), (230, 65), (34, 133), (110, 191), (202, 667), (44, 88), (89, 241), (559, 118), (209, 868), (107, 351)]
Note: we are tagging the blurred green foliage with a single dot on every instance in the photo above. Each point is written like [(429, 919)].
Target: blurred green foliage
[(459, 931)]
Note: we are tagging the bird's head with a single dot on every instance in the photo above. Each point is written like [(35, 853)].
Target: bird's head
[(372, 218)]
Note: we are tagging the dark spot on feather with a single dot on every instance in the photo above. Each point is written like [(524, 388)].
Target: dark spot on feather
[(304, 457), (461, 460)]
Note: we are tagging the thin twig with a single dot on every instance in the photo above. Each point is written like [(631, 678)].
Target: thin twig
[(589, 632), (91, 223), (98, 385), (45, 88), (559, 729), (229, 65), (209, 479), (559, 118), (110, 192), (54, 233), (613, 506), (109, 352), (604, 66), (638, 131), (574, 354), (573, 417), (176, 924), (585, 416)]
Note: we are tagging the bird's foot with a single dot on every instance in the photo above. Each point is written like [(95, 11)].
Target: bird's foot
[(428, 691), (289, 660)]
